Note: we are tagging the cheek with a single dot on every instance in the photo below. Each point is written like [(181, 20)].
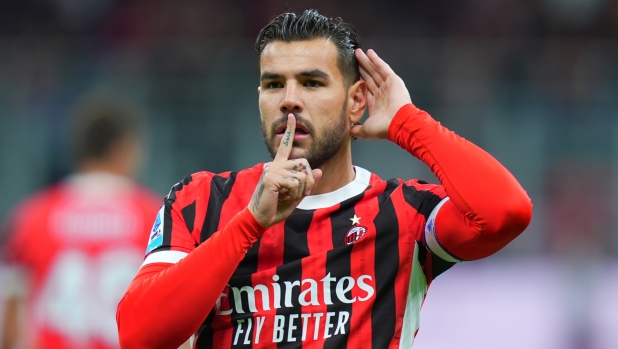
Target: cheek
[(266, 112)]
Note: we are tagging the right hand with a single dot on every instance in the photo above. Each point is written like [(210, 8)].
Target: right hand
[(284, 183)]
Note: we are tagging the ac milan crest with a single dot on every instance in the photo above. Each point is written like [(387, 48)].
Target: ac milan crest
[(354, 234)]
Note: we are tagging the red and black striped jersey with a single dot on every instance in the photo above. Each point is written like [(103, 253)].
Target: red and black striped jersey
[(347, 269)]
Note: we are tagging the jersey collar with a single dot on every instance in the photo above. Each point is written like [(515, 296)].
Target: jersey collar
[(357, 186)]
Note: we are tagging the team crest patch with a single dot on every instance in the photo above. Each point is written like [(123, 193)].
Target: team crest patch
[(354, 234), (156, 234)]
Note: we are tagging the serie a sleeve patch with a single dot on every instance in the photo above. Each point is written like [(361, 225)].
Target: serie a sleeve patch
[(156, 234)]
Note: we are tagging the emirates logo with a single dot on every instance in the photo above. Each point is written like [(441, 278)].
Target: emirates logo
[(355, 234)]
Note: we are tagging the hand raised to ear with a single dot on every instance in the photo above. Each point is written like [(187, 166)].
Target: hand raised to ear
[(386, 94)]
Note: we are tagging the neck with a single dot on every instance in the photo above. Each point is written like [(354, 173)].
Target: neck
[(113, 167), (336, 172)]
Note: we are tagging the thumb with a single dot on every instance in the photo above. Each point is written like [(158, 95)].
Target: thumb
[(317, 174), (357, 131)]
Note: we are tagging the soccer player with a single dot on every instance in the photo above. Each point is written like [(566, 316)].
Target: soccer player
[(309, 251), (79, 241)]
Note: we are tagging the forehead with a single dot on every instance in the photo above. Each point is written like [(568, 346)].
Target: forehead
[(288, 57)]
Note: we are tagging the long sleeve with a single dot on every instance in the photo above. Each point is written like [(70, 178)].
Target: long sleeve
[(487, 207), (166, 303)]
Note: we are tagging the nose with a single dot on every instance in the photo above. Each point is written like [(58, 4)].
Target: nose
[(291, 100)]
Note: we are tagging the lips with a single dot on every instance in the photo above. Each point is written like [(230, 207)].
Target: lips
[(300, 128)]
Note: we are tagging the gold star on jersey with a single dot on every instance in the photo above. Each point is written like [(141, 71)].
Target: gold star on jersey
[(355, 220)]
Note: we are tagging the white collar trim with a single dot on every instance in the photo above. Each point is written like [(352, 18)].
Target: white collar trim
[(357, 186)]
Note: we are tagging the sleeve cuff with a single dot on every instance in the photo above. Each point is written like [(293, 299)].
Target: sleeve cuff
[(402, 116)]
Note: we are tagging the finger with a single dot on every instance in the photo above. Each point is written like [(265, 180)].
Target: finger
[(371, 84), (357, 131), (365, 63), (304, 167), (317, 174), (381, 67), (292, 186), (298, 179), (285, 147)]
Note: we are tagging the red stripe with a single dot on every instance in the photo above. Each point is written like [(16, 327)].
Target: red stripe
[(270, 256), (240, 195), (319, 241), (179, 240), (362, 262), (201, 206), (411, 225)]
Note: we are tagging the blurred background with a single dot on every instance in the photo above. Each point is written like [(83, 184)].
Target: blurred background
[(534, 82)]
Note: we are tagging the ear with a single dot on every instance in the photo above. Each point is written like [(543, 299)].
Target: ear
[(259, 90), (357, 100)]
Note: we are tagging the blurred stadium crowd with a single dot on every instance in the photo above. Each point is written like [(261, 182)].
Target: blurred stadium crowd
[(534, 82)]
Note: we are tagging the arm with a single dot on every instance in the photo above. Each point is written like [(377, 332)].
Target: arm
[(10, 323), (166, 303), (179, 296), (487, 207)]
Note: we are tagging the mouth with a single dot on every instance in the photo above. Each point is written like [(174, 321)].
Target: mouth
[(300, 129)]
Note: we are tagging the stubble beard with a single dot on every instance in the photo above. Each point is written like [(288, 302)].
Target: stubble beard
[(323, 147)]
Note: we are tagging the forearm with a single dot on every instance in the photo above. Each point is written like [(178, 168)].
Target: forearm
[(493, 205), (165, 305)]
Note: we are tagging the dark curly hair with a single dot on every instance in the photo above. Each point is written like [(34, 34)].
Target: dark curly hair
[(292, 26)]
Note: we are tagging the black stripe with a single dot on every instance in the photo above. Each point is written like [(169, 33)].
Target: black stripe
[(178, 187), (295, 248), (241, 321), (423, 201), (338, 264), (167, 227), (169, 201), (188, 214), (437, 264), (242, 277), (249, 264), (205, 336), (386, 268), (220, 189)]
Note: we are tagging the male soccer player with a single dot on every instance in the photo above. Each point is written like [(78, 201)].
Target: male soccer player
[(75, 245), (309, 251)]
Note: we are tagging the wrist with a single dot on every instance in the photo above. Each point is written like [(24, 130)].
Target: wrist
[(251, 223), (401, 118)]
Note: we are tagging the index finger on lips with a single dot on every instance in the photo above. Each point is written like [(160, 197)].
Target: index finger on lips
[(285, 147)]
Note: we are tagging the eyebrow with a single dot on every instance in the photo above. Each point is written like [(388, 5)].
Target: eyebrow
[(315, 73)]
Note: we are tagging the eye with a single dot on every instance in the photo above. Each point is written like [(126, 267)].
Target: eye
[(274, 85), (313, 83)]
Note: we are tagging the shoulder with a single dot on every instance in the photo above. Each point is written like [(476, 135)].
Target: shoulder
[(29, 215), (410, 185), (203, 184), (39, 201)]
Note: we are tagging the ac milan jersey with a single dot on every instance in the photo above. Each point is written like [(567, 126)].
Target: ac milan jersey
[(348, 269), (81, 242)]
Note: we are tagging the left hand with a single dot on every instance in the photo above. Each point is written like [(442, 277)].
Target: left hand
[(386, 94)]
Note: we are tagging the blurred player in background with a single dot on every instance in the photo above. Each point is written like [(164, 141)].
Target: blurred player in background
[(309, 251), (73, 248)]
